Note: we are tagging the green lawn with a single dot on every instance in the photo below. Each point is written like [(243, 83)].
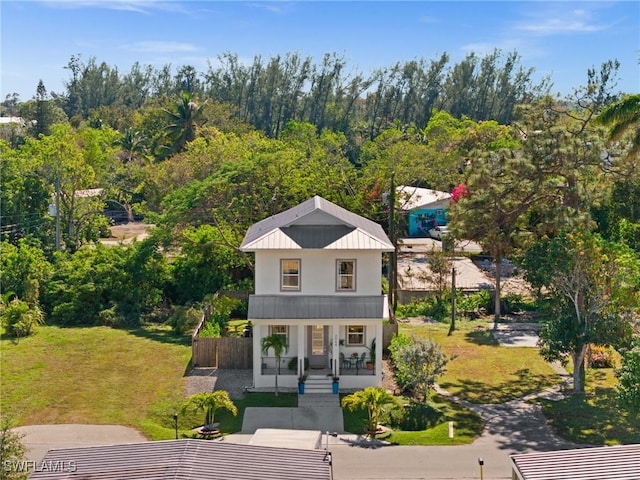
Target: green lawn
[(467, 425), (136, 378), (484, 372), (95, 375), (594, 418)]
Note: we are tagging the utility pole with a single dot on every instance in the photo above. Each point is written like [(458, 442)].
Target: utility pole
[(453, 301), (393, 262), (58, 209)]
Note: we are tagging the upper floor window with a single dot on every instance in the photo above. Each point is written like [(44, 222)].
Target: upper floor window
[(346, 274), (355, 335), (290, 274)]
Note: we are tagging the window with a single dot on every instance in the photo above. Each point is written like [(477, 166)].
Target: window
[(355, 335), (282, 330), (346, 274), (290, 274)]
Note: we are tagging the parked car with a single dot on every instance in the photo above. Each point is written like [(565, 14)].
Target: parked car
[(439, 232)]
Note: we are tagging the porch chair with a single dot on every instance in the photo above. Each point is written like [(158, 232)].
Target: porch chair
[(361, 361), (344, 362)]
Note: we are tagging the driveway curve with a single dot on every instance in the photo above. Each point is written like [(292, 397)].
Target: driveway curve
[(39, 439)]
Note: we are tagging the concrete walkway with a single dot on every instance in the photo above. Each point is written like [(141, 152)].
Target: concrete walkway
[(320, 412)]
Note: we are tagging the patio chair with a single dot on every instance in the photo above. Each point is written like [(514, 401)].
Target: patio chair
[(362, 360), (344, 362)]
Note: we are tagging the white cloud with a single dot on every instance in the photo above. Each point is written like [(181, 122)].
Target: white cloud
[(140, 6), (556, 20)]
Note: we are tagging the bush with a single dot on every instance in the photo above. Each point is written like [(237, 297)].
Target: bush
[(19, 319), (416, 416), (429, 307), (599, 357), (184, 320)]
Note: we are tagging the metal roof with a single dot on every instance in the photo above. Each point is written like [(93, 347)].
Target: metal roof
[(410, 198), (183, 459), (316, 223), (620, 462), (316, 306)]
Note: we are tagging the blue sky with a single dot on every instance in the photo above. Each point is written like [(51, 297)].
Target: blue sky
[(559, 38)]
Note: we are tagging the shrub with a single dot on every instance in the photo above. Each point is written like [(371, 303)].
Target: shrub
[(184, 320), (416, 416), (599, 357), (19, 319)]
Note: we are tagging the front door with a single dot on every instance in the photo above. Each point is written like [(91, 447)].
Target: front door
[(316, 344)]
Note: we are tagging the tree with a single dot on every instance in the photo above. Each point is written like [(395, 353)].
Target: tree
[(376, 401), (629, 379), (591, 286), (624, 118), (12, 452), (420, 363), (185, 120), (277, 343), (208, 403)]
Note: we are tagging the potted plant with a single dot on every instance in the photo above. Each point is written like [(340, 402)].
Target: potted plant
[(301, 380), (335, 384), (372, 355)]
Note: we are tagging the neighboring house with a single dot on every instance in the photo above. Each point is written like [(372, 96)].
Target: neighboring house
[(597, 463), (318, 282), (423, 207), (183, 459)]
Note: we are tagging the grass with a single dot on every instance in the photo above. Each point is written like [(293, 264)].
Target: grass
[(484, 372), (594, 418), (95, 375), (467, 424)]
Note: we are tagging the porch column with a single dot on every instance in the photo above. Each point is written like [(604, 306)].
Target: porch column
[(257, 352), (334, 333), (301, 349), (378, 365)]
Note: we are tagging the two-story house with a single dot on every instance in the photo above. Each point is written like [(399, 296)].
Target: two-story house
[(318, 282)]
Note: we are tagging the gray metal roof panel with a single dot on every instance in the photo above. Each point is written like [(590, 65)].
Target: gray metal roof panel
[(316, 306), (189, 459), (316, 204), (621, 462)]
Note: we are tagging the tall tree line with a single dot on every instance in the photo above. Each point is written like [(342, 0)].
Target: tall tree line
[(268, 92)]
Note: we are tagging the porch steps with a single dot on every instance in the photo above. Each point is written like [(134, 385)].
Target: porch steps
[(318, 400), (318, 385)]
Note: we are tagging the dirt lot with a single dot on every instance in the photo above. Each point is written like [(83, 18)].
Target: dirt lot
[(127, 232)]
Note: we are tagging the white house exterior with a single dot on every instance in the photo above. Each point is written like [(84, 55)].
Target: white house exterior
[(318, 271)]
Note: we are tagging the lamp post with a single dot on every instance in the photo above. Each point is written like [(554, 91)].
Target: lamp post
[(175, 423), (481, 463)]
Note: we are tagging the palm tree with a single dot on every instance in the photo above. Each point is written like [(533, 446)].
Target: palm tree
[(376, 401), (185, 121), (623, 117), (209, 402), (279, 345)]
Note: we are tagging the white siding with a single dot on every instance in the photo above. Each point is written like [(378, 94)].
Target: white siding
[(318, 272)]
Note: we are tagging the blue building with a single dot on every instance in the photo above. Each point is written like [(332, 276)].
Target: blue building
[(424, 208)]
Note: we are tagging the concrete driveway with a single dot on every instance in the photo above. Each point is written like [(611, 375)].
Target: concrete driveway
[(39, 439)]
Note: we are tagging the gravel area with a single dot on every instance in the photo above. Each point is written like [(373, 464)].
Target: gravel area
[(209, 379)]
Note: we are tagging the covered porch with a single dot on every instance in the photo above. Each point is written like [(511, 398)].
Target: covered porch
[(346, 348)]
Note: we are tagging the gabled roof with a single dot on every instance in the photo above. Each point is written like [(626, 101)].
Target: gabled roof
[(317, 224), (410, 198), (183, 459), (620, 462)]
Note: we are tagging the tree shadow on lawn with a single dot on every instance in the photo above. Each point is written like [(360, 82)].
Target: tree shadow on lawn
[(481, 336), (162, 335), (594, 419), (520, 384)]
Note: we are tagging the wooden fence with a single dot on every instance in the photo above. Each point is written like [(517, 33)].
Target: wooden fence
[(223, 352)]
